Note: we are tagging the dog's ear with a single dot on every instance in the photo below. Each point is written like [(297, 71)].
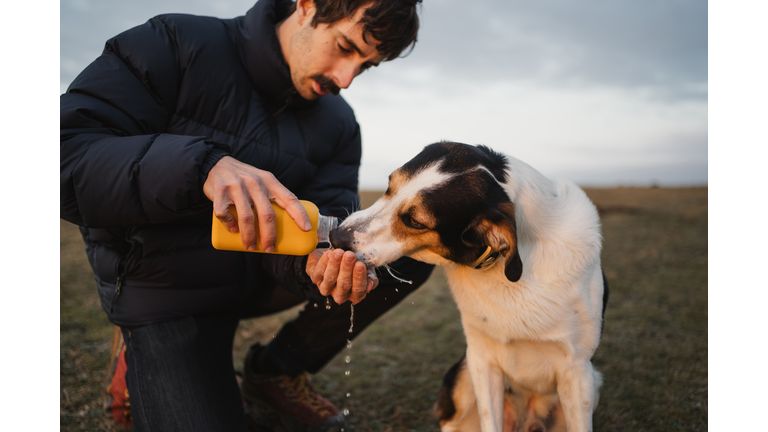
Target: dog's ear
[(513, 270), (499, 231)]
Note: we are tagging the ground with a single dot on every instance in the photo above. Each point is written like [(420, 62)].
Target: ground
[(653, 354)]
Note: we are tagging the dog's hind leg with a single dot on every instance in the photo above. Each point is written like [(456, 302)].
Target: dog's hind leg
[(455, 407)]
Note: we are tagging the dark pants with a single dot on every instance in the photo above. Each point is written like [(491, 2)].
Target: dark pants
[(180, 374)]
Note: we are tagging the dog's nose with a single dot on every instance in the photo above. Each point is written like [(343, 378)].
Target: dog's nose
[(341, 238)]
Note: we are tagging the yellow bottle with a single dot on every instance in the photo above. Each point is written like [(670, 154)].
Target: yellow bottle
[(290, 239)]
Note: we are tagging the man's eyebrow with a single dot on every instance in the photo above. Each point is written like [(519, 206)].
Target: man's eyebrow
[(354, 47)]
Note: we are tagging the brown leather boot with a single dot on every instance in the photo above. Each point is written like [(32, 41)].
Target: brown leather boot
[(285, 403)]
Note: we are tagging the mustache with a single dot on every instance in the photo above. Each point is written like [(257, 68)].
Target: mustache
[(326, 83)]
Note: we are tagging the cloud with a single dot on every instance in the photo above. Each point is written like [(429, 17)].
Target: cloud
[(593, 88), (657, 44)]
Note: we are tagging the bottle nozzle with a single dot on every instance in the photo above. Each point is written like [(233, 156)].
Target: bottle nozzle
[(324, 226)]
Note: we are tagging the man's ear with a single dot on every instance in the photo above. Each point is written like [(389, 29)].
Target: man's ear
[(499, 231), (305, 10)]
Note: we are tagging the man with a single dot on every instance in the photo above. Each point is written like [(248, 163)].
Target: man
[(186, 115)]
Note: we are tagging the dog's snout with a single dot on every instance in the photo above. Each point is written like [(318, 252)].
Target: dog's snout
[(341, 238)]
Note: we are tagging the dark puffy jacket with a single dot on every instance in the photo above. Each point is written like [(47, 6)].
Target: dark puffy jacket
[(145, 122)]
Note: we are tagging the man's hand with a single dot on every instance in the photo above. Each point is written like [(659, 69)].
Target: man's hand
[(231, 182), (339, 274)]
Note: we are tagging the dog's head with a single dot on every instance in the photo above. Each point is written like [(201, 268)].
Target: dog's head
[(446, 204)]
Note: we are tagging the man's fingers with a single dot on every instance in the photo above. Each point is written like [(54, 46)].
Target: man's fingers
[(287, 200), (359, 283), (312, 259), (344, 279), (373, 280), (315, 263), (265, 216), (225, 217), (319, 273), (338, 274), (331, 274), (293, 207), (245, 220), (249, 186)]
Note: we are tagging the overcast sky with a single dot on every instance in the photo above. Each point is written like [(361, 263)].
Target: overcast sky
[(604, 92)]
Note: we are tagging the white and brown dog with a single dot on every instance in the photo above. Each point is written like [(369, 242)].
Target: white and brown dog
[(522, 257)]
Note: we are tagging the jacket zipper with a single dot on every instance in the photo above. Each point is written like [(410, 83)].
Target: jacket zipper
[(117, 293), (285, 105), (119, 284), (120, 271)]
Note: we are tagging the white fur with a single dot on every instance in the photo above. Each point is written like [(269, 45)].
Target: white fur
[(540, 332)]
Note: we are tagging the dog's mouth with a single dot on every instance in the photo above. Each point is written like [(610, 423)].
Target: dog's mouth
[(369, 262), (342, 238)]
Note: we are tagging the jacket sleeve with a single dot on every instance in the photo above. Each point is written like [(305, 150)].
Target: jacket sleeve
[(333, 189), (118, 167)]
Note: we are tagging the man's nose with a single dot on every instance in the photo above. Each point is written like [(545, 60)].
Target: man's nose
[(346, 73)]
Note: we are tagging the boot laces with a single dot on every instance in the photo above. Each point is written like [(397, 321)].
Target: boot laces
[(301, 390)]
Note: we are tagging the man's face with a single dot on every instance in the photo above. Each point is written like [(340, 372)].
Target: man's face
[(327, 58)]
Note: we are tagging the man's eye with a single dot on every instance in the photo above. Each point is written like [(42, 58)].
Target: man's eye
[(344, 49)]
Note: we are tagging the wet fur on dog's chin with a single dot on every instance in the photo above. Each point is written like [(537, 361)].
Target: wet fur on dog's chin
[(537, 306)]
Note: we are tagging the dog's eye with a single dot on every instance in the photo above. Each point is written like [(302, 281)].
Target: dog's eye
[(410, 222)]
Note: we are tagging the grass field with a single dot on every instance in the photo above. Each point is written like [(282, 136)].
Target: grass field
[(653, 354)]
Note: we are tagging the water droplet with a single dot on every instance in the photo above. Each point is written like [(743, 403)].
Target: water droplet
[(346, 413), (315, 304), (389, 269), (346, 373), (327, 303), (351, 317), (273, 336), (397, 290), (411, 302), (348, 359), (349, 394), (349, 343)]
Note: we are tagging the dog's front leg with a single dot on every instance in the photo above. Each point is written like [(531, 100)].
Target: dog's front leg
[(488, 383), (576, 389)]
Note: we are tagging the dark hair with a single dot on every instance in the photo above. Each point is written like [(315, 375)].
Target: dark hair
[(394, 23)]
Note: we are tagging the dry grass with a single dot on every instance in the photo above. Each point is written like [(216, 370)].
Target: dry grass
[(653, 354)]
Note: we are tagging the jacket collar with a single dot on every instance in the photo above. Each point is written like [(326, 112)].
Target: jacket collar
[(261, 54)]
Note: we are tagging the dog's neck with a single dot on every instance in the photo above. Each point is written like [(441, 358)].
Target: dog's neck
[(536, 201), (544, 214)]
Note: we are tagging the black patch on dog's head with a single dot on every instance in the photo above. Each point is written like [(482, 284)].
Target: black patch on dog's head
[(473, 195), (458, 158), (445, 408)]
